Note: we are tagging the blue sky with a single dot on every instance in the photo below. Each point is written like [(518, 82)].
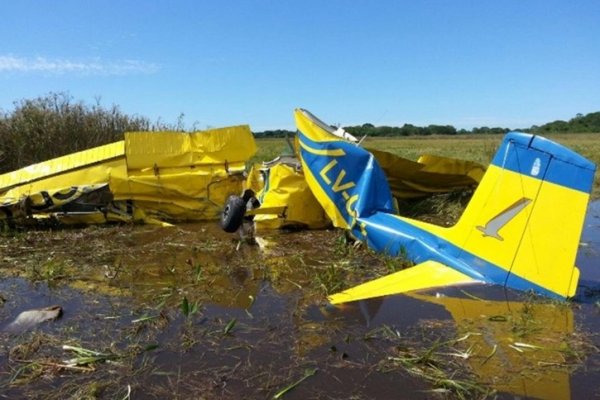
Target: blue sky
[(466, 63)]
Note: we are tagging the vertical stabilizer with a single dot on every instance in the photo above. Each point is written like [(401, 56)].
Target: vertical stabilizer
[(527, 214)]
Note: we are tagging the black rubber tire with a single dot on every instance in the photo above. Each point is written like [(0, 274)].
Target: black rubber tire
[(232, 215)]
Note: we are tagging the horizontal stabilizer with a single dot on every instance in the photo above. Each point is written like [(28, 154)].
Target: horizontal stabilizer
[(429, 274)]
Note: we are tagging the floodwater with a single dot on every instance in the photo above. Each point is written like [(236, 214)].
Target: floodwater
[(187, 312)]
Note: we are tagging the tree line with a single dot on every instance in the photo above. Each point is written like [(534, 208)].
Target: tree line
[(54, 125), (589, 123)]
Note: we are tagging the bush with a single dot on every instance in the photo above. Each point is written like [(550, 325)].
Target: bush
[(55, 125)]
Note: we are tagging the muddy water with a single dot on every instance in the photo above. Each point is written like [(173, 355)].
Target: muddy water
[(180, 313)]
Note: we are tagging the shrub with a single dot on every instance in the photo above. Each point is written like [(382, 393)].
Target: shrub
[(55, 125)]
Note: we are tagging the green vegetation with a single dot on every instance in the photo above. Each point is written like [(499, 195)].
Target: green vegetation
[(268, 149), (50, 271), (588, 123), (55, 124), (276, 133), (479, 148), (307, 374), (406, 130), (438, 365), (580, 124)]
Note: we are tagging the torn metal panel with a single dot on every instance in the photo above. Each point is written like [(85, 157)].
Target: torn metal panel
[(286, 200), (38, 177), (430, 174), (149, 176), (231, 145)]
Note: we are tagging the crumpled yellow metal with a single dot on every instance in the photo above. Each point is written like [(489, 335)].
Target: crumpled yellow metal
[(428, 175), (151, 177), (286, 200)]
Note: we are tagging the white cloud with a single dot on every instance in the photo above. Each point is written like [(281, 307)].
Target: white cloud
[(10, 63)]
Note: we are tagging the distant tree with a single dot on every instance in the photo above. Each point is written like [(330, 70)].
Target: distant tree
[(410, 130), (480, 130), (276, 133), (580, 123), (441, 130)]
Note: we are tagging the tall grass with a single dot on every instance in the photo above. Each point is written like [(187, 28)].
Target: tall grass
[(55, 125)]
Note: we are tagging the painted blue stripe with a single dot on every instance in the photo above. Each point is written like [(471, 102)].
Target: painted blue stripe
[(388, 234), (544, 159), (360, 168), (324, 145), (525, 154)]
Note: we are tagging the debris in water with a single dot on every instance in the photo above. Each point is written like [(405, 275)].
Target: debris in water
[(307, 374), (30, 318)]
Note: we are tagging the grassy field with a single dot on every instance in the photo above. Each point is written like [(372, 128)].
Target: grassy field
[(474, 148), (193, 312)]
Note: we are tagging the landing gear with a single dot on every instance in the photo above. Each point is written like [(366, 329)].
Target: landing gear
[(232, 215)]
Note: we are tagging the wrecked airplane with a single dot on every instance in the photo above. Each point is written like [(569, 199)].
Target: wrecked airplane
[(277, 194), (151, 177), (508, 234), (521, 228)]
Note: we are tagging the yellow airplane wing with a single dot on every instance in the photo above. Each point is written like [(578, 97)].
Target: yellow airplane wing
[(428, 274)]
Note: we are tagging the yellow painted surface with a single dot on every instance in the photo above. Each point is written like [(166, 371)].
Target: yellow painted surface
[(161, 175), (176, 149), (552, 322), (430, 174), (537, 243), (289, 194), (60, 166), (429, 274)]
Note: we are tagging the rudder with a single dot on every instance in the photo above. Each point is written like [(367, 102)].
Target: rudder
[(527, 215)]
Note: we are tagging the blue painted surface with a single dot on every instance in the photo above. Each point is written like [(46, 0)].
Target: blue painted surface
[(374, 220), (519, 151), (391, 235), (360, 167)]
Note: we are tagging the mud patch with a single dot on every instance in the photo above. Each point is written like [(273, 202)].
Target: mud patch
[(179, 313)]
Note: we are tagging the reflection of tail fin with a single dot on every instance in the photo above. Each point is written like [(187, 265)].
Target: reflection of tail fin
[(527, 214)]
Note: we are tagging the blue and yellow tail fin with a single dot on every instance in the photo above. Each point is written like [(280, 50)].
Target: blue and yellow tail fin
[(527, 214), (521, 229)]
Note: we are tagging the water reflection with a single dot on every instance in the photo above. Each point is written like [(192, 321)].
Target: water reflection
[(516, 346), (588, 258), (519, 345)]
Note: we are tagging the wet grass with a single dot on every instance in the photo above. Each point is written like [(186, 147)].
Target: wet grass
[(439, 365), (190, 312), (50, 271), (181, 313), (163, 287)]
